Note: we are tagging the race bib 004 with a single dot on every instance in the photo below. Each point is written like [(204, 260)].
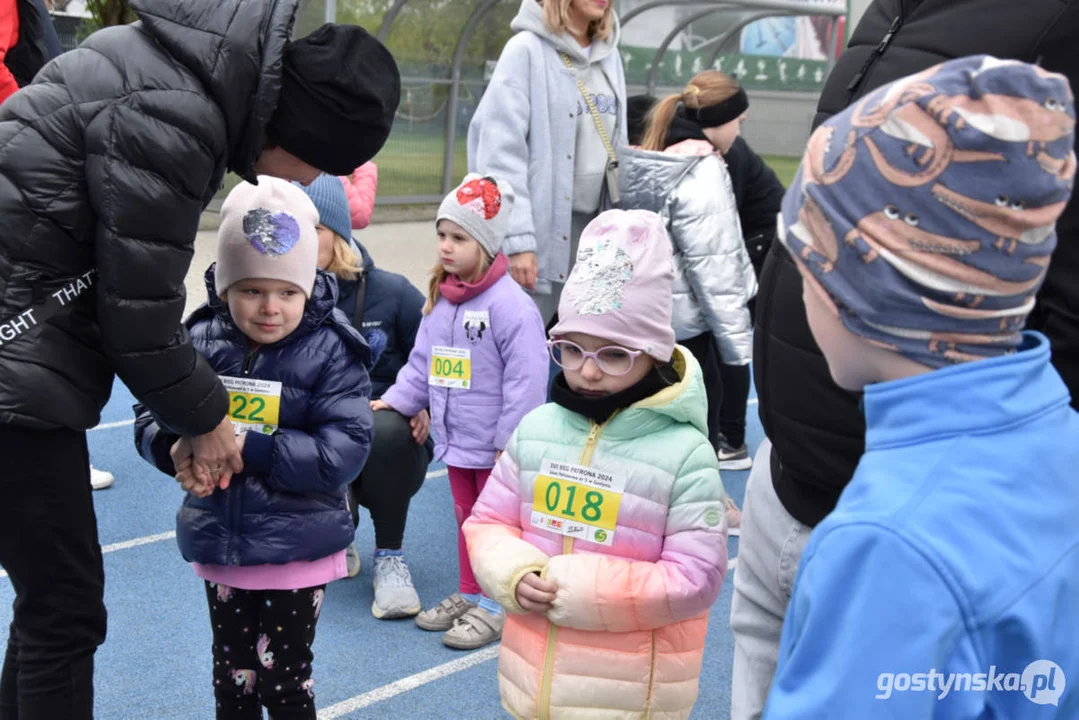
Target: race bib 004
[(450, 367), (254, 405), (576, 501)]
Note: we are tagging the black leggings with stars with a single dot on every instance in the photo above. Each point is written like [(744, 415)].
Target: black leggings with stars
[(262, 651)]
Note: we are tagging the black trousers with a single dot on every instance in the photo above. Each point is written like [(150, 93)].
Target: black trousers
[(49, 548), (703, 347), (736, 382), (395, 471), (262, 651)]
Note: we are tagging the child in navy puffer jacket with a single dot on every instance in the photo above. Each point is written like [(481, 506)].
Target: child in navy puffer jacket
[(296, 371)]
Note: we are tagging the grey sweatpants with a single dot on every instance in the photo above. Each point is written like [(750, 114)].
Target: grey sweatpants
[(769, 551), (548, 304)]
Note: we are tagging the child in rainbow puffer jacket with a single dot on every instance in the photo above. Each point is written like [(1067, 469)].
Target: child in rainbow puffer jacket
[(602, 528)]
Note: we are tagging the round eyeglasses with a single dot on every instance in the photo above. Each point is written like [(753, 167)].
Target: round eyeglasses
[(612, 360)]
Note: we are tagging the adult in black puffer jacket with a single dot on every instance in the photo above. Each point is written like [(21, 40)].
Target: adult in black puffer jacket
[(106, 162), (816, 429)]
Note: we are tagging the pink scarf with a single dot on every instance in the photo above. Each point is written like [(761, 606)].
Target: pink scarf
[(457, 291)]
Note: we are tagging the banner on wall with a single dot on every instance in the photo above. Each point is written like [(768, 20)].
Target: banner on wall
[(754, 72), (775, 53)]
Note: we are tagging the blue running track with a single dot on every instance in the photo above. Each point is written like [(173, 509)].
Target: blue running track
[(156, 662)]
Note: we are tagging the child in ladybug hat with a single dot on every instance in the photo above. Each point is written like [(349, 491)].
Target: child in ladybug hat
[(480, 364)]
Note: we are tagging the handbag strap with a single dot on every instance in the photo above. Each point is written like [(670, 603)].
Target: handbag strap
[(361, 301), (593, 110)]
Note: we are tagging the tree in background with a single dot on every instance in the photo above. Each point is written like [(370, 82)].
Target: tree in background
[(107, 13)]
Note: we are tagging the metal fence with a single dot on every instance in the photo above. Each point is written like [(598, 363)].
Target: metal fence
[(447, 49)]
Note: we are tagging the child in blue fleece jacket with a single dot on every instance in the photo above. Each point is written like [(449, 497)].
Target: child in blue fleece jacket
[(946, 582)]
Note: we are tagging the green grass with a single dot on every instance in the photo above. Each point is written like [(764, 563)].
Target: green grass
[(410, 165), (784, 167)]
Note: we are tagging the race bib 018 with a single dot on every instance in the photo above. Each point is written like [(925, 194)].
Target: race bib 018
[(450, 367), (254, 405), (576, 501)]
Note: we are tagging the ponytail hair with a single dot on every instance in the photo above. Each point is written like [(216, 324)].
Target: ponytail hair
[(710, 87)]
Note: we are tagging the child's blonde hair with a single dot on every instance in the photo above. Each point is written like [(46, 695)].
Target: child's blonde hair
[(439, 274), (710, 87), (556, 18), (345, 264)]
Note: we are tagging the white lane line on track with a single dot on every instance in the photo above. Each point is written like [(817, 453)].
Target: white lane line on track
[(111, 425), (409, 683), (127, 544), (146, 540)]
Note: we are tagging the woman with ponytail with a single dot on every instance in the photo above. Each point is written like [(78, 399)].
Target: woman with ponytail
[(678, 172)]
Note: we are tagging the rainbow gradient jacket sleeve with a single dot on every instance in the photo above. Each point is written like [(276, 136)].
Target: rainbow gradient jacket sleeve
[(496, 527)]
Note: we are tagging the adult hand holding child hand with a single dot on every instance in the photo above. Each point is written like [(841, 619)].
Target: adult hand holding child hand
[(200, 478), (535, 595), (217, 454)]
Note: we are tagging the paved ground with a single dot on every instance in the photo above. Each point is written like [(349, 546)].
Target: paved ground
[(156, 662)]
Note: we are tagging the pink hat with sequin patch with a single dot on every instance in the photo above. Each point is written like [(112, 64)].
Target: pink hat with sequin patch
[(620, 287), (268, 231)]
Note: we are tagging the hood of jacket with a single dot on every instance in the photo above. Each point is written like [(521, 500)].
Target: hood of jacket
[(359, 249), (683, 402), (321, 309), (235, 48), (650, 176), (530, 18)]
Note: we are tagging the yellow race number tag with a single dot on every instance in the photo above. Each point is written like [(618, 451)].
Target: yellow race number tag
[(577, 501), (450, 367), (254, 405)]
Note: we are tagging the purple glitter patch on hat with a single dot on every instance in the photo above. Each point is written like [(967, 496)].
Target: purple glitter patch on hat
[(271, 234)]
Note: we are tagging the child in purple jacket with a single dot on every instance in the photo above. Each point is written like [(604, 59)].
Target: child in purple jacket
[(480, 364)]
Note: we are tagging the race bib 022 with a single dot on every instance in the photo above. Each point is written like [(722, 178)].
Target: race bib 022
[(577, 501), (254, 405)]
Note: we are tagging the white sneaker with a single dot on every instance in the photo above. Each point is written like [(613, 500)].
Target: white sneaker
[(395, 596), (99, 479)]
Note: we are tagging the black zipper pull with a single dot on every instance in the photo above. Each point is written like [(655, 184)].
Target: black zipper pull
[(896, 24), (877, 52)]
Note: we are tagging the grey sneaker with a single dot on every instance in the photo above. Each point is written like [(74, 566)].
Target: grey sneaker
[(352, 561), (732, 458), (474, 629), (395, 597), (440, 618)]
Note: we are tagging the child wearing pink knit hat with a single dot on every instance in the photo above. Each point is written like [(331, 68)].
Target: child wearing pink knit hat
[(601, 529)]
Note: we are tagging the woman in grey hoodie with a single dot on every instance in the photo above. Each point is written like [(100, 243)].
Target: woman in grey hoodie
[(534, 128)]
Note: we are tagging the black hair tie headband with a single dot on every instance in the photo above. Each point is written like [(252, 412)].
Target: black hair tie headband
[(720, 113)]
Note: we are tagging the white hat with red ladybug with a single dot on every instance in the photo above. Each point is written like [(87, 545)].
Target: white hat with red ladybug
[(481, 205)]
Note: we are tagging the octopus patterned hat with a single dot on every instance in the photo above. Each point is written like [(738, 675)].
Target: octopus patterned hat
[(268, 231), (620, 287), (482, 206), (926, 212)]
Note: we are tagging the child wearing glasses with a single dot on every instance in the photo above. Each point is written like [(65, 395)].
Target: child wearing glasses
[(602, 529), (480, 365)]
